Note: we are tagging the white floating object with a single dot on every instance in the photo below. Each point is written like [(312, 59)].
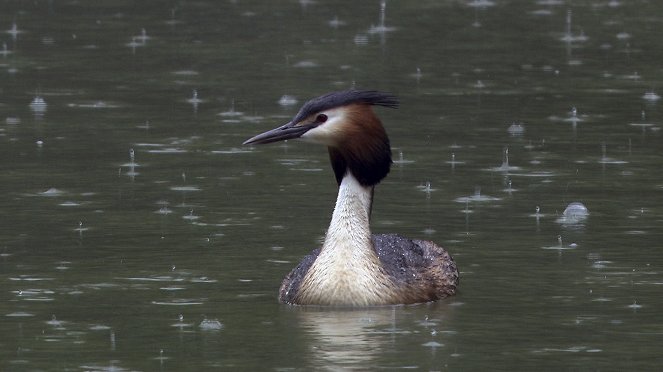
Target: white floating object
[(576, 210), (575, 213)]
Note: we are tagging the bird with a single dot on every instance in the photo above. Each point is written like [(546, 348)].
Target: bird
[(353, 267)]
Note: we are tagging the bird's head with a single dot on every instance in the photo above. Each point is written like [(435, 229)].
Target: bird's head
[(345, 122)]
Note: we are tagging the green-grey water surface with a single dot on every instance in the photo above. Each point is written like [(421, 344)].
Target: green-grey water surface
[(137, 233)]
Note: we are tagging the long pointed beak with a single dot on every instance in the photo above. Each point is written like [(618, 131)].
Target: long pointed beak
[(284, 132)]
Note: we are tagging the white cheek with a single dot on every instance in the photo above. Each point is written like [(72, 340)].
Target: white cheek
[(325, 134)]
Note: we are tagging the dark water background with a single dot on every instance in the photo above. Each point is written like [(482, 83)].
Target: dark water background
[(137, 233)]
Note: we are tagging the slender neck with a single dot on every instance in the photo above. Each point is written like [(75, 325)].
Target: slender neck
[(349, 229), (348, 270)]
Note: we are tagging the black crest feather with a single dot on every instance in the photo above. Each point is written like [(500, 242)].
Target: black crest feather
[(345, 97)]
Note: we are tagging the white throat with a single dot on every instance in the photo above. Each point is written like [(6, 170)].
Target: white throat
[(349, 229)]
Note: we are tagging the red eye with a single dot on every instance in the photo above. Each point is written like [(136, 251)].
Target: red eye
[(321, 118)]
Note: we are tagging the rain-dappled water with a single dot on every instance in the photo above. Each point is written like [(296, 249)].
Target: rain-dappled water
[(137, 233)]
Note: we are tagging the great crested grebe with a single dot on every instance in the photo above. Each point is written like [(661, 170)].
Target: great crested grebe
[(354, 267)]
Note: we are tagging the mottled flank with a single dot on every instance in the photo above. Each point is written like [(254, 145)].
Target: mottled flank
[(422, 270), (291, 283), (419, 270)]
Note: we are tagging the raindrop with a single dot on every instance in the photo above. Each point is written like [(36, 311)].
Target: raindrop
[(195, 100), (453, 161), (231, 112), (54, 321), (467, 209), (38, 105), (651, 96), (417, 75), (142, 37), (634, 305), (112, 340), (14, 31), (287, 100), (172, 21), (134, 43), (336, 23), (537, 214), (132, 173), (145, 126), (560, 245), (432, 344), (426, 188), (401, 159), (481, 3), (381, 28), (190, 216), (164, 210), (505, 167), (573, 117), (52, 192), (210, 325), (305, 64), (623, 36), (5, 51), (509, 187), (605, 159), (361, 39), (13, 120), (477, 197), (516, 129), (569, 37), (80, 228)]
